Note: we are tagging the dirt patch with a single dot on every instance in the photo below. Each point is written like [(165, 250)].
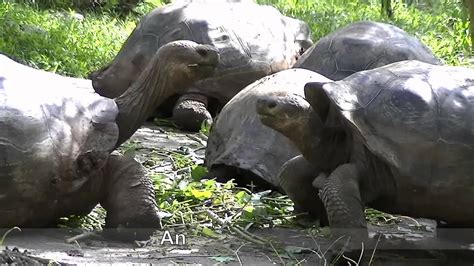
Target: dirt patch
[(289, 246)]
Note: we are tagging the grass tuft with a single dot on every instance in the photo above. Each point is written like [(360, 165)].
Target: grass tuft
[(442, 25), (63, 42)]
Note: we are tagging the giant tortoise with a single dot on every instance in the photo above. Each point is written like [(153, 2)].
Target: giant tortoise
[(56, 143), (398, 138), (361, 46), (253, 40), (240, 147)]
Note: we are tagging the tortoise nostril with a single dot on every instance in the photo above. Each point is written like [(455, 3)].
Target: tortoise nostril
[(271, 104), (202, 52), (266, 106)]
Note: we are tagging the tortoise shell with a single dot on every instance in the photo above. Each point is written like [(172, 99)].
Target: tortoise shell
[(49, 123), (253, 41), (417, 117), (239, 139), (361, 46)]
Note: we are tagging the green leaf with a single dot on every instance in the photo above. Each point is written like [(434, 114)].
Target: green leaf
[(297, 250), (209, 232), (201, 194), (197, 172), (223, 259), (206, 127), (242, 197)]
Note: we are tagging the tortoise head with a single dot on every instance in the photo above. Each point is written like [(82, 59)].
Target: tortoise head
[(292, 116), (171, 70), (185, 57), (282, 111), (289, 114), (188, 60)]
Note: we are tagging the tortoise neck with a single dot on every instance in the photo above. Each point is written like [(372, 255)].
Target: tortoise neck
[(138, 102), (327, 145)]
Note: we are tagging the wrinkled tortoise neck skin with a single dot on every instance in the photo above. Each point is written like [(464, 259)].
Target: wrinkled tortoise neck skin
[(326, 143), (156, 83), (338, 145)]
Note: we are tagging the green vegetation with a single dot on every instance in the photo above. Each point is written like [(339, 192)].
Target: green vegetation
[(442, 25), (57, 41), (74, 44), (66, 37)]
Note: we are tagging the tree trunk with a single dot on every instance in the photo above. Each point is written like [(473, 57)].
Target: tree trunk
[(387, 8), (470, 7)]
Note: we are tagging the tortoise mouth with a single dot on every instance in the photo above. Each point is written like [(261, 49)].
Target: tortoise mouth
[(266, 118), (265, 114), (207, 65), (213, 64), (206, 70)]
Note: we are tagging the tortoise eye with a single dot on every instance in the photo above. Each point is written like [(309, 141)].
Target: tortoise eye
[(202, 52)]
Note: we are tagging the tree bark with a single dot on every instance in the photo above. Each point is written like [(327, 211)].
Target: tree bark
[(470, 7), (387, 8)]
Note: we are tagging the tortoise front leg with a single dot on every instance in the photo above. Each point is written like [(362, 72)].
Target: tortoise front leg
[(296, 176), (129, 199), (341, 197), (190, 111)]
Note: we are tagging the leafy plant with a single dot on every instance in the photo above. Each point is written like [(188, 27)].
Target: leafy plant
[(443, 26), (61, 41)]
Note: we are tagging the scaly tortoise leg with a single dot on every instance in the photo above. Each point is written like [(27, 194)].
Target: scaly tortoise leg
[(129, 199), (296, 176), (341, 197), (191, 111)]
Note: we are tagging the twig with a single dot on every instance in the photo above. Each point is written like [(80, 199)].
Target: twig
[(200, 148), (300, 261), (341, 252), (237, 229), (250, 234), (8, 232), (361, 253), (203, 136), (77, 244), (246, 236), (203, 143), (349, 259), (373, 252), (214, 217), (182, 256), (242, 233), (280, 200), (409, 218), (278, 254), (237, 253), (81, 236), (241, 209), (332, 244), (267, 257), (319, 253)]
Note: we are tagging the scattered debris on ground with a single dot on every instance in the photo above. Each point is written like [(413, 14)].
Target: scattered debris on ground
[(209, 223)]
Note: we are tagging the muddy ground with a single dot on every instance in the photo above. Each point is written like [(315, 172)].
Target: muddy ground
[(410, 242)]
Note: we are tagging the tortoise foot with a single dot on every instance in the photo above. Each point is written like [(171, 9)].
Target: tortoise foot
[(190, 112), (132, 212)]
